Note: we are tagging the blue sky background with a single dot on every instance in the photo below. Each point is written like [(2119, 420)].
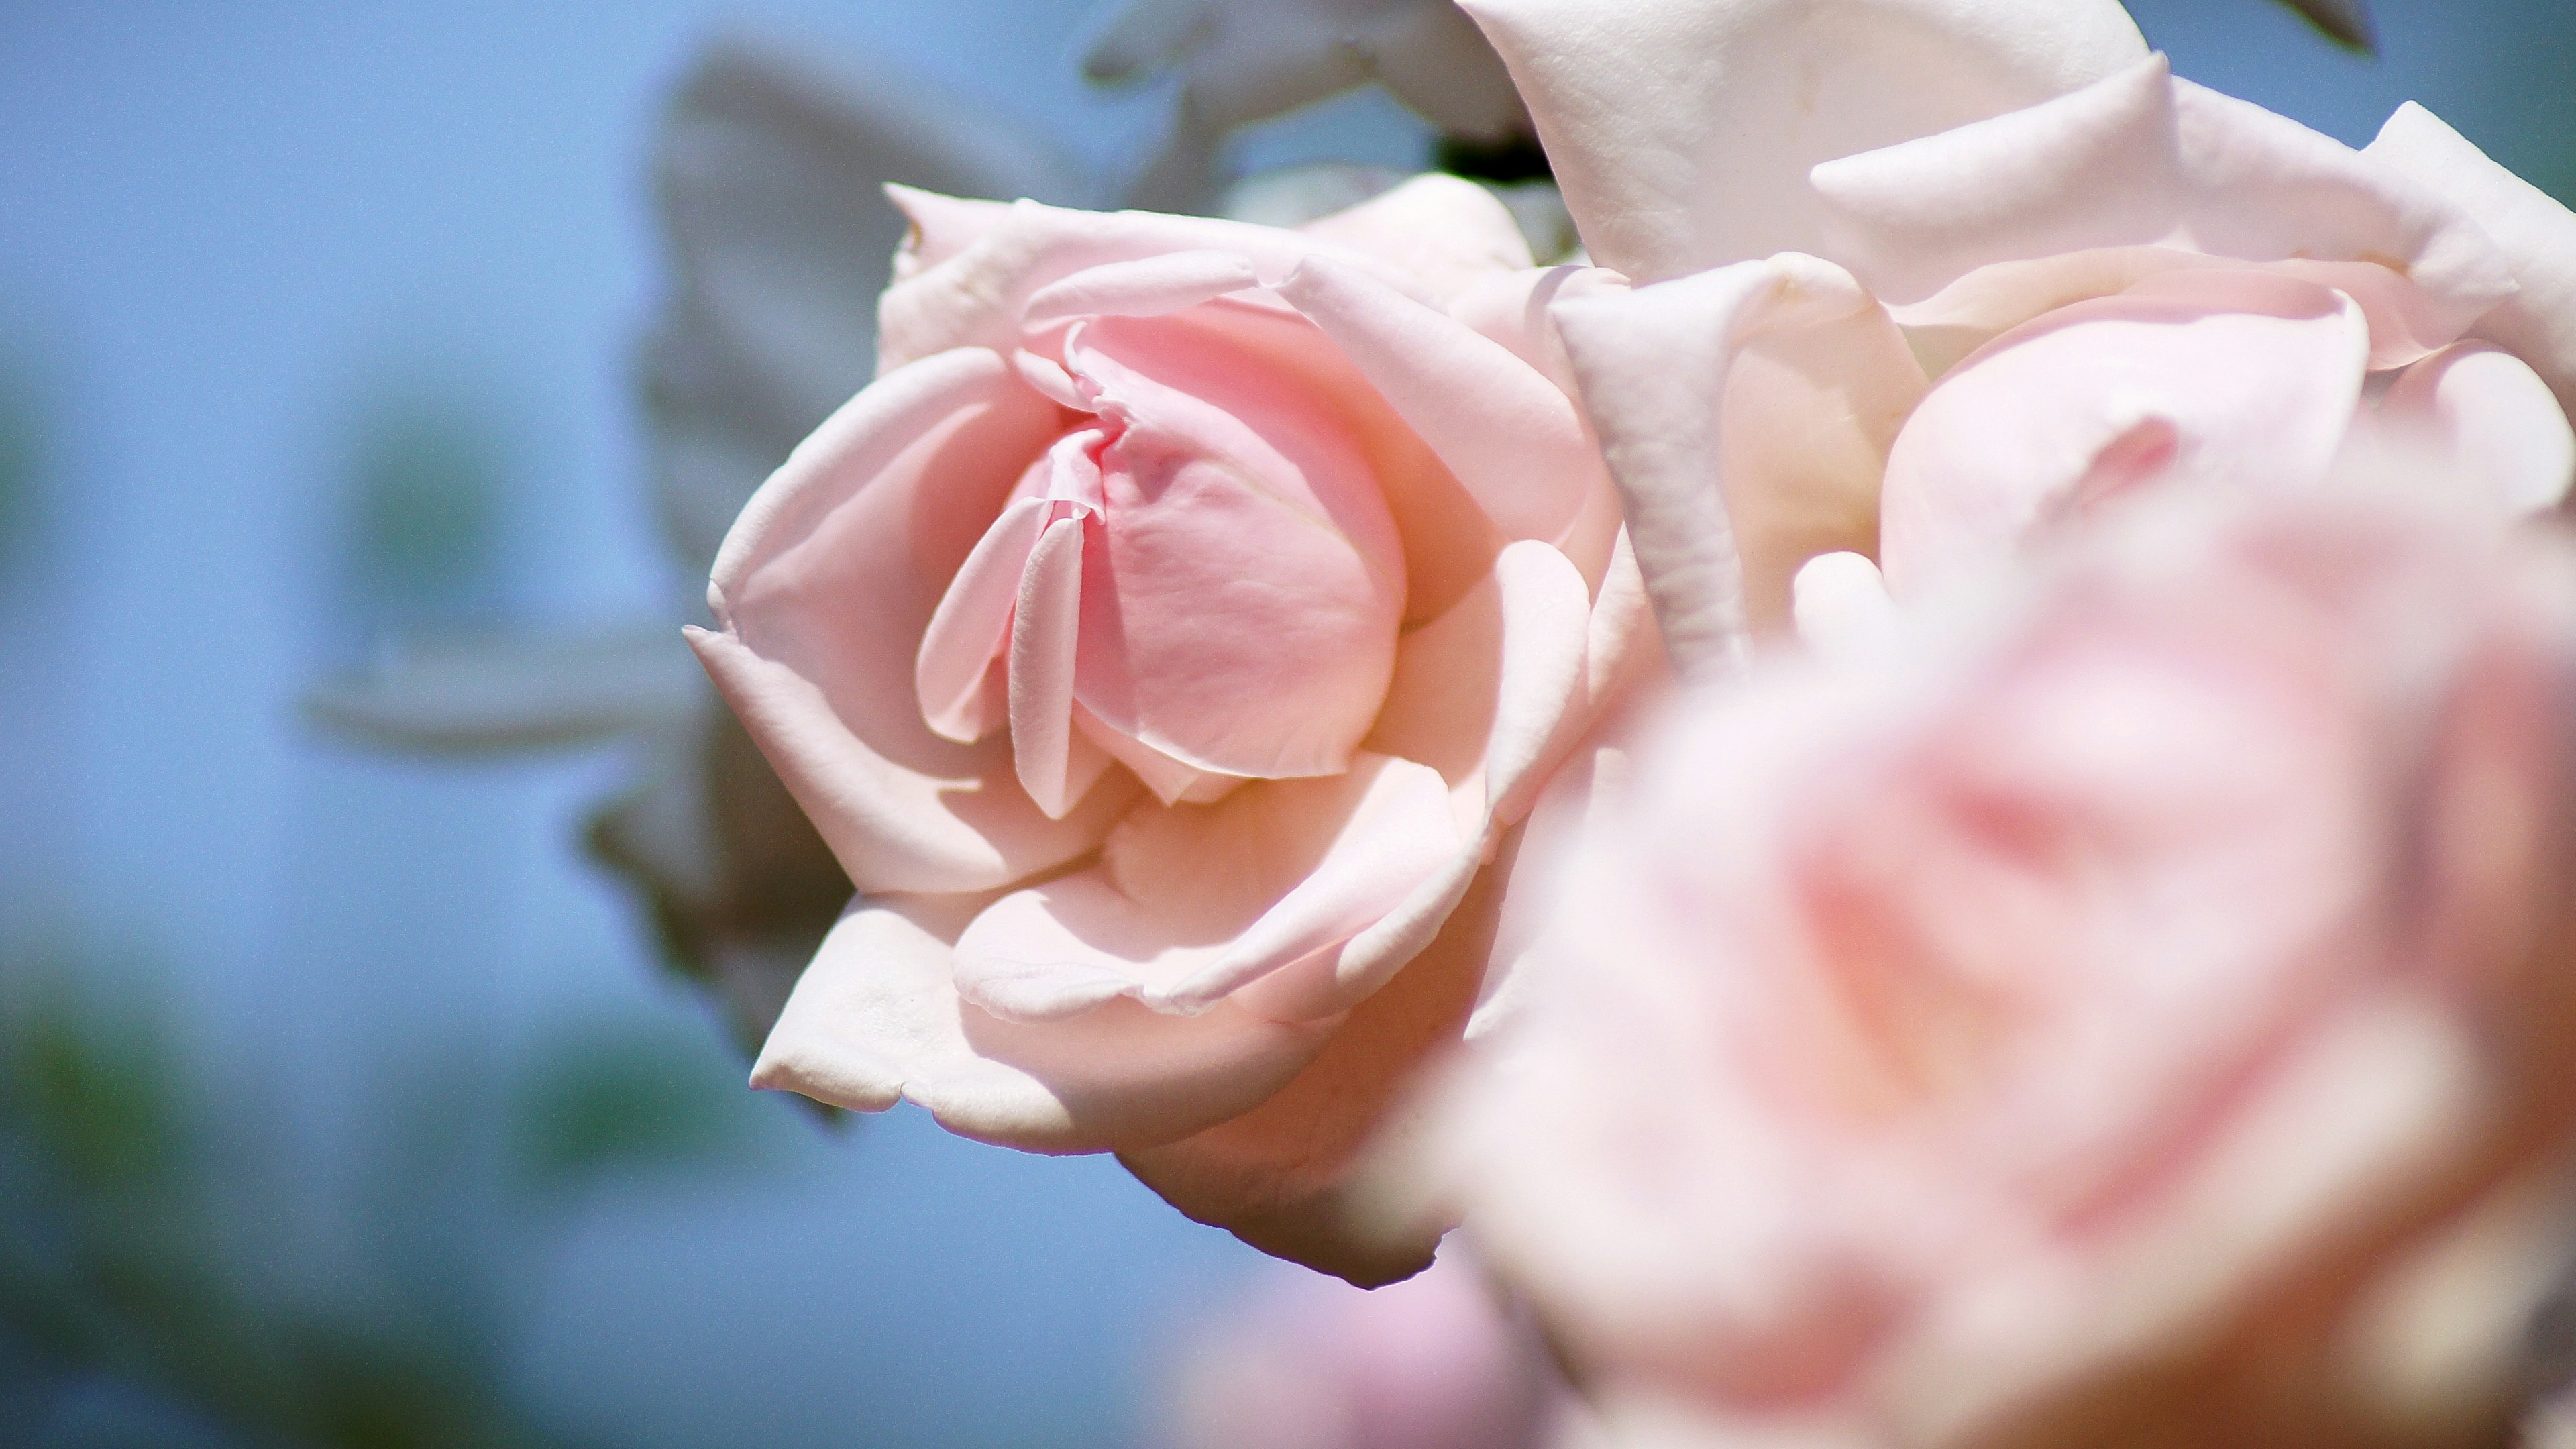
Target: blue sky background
[(227, 232)]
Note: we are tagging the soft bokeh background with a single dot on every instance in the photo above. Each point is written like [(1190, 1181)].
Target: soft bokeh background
[(339, 1096)]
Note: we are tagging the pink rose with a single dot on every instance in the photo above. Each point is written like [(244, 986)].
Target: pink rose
[(1165, 644), (1931, 275), (2132, 1011), (1299, 1361)]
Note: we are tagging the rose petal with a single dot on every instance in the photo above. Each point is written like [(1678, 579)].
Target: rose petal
[(2494, 414), (1189, 904), (978, 296), (953, 674), (1769, 391), (1193, 904), (1505, 432), (877, 1019), (1055, 764), (1843, 605), (1449, 544), (1241, 614), (2241, 379), (1450, 233), (2139, 159), (2536, 235), (1144, 287), (2096, 167), (1281, 1176), (823, 592), (1683, 130), (2153, 173)]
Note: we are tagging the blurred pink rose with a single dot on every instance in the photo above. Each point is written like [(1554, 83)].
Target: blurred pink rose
[(1164, 644), (2134, 1012), (1300, 1361), (1930, 275)]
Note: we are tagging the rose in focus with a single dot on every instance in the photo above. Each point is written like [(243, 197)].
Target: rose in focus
[(1933, 277), (2130, 1011), (1165, 644)]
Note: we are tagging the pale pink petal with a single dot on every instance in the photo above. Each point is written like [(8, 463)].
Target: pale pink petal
[(2535, 233), (1241, 615), (2097, 167), (2236, 379), (2141, 161), (823, 591), (1056, 764), (1449, 544), (1284, 1176), (1191, 903), (877, 1019), (2268, 189), (2493, 414), (941, 226), (1769, 391), (1145, 287), (1449, 232), (1512, 310), (953, 674), (1683, 130), (1542, 694), (1843, 604), (1505, 431), (976, 297)]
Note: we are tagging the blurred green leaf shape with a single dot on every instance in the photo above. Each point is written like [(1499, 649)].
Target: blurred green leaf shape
[(607, 1099), (2345, 22), (427, 477), (22, 464)]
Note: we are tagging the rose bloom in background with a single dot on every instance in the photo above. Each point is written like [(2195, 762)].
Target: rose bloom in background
[(1987, 265), (2128, 1005), (1167, 644), (1300, 1361)]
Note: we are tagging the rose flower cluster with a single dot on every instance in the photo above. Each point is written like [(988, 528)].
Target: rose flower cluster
[(1930, 798)]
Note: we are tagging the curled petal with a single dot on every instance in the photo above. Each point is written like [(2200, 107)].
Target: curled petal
[(2536, 235), (1843, 605), (877, 1019), (1241, 612), (978, 297), (1683, 130), (953, 672), (1449, 232), (1145, 287), (1191, 904), (1287, 1176), (2140, 161), (824, 590), (1056, 764), (2489, 410), (1747, 414), (1514, 440)]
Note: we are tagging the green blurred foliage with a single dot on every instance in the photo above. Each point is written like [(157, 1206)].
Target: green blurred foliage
[(428, 478), (23, 460), (123, 1244), (619, 1097)]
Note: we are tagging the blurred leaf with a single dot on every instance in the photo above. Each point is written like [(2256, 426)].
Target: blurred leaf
[(427, 479), (2345, 22), (93, 1088), (602, 1100), (22, 465)]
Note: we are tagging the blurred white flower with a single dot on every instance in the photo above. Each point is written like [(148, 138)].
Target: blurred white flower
[(1244, 61)]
